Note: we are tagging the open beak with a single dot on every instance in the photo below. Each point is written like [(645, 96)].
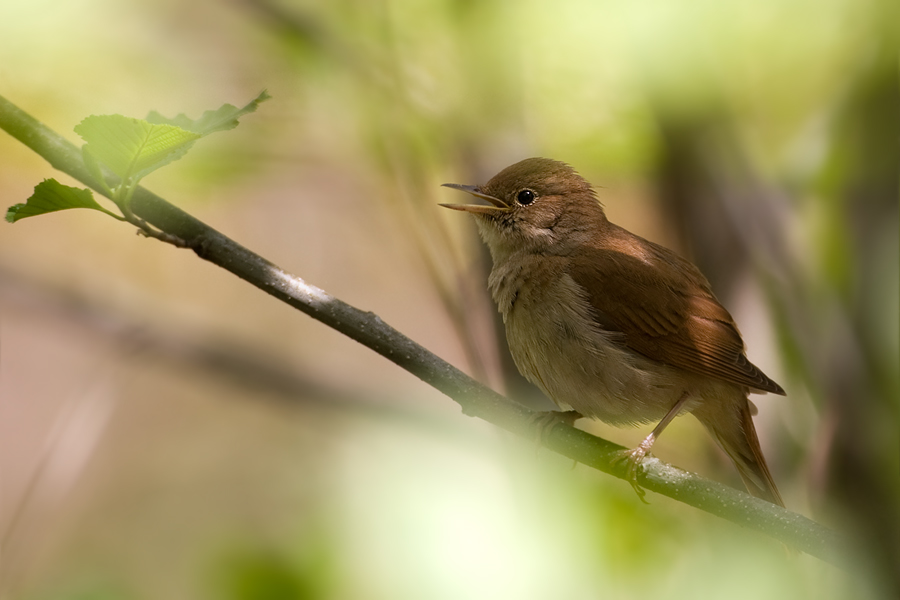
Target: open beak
[(498, 205)]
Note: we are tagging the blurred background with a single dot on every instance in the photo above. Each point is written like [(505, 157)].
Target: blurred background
[(168, 431)]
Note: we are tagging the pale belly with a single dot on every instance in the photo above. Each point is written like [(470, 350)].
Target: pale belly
[(558, 347)]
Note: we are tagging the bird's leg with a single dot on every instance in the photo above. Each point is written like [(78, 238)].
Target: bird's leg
[(636, 455)]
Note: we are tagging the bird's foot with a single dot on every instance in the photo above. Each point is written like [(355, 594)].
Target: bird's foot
[(544, 422), (634, 458)]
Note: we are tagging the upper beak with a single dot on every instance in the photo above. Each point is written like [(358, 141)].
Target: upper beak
[(498, 205)]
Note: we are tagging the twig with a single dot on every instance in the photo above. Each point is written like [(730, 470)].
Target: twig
[(475, 399)]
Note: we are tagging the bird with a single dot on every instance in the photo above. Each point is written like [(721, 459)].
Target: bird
[(612, 326)]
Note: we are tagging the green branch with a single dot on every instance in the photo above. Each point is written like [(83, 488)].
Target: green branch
[(475, 399)]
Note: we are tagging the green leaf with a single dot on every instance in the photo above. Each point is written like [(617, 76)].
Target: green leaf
[(226, 117), (51, 196), (133, 148)]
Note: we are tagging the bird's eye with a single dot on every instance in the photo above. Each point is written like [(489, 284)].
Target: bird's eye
[(525, 197)]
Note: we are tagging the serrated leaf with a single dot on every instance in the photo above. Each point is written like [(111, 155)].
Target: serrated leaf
[(133, 148), (224, 118), (51, 196)]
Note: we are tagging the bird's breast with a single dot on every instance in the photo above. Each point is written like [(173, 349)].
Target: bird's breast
[(558, 345)]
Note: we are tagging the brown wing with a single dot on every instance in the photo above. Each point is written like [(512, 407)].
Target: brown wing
[(665, 310)]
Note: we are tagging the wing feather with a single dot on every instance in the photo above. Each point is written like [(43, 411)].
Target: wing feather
[(667, 314)]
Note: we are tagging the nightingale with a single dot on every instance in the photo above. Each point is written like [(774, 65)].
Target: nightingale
[(610, 325)]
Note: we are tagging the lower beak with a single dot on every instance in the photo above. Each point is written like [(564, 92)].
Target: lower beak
[(498, 205)]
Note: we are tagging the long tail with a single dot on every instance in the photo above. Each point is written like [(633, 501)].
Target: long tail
[(735, 433)]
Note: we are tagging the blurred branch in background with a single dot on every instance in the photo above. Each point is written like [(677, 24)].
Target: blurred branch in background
[(830, 317), (860, 262), (399, 140), (179, 344), (64, 455)]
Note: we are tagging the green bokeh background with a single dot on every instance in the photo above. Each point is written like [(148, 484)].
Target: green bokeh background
[(168, 432)]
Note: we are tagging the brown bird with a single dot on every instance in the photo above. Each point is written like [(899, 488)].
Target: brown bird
[(611, 325)]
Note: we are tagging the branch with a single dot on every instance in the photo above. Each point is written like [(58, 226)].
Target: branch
[(475, 399)]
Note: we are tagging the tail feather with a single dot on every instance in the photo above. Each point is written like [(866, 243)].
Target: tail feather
[(736, 435)]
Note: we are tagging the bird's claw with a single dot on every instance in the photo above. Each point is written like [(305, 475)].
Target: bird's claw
[(633, 460), (544, 422)]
